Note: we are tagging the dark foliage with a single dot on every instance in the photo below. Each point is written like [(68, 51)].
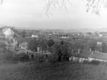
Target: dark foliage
[(60, 52), (50, 42), (33, 44)]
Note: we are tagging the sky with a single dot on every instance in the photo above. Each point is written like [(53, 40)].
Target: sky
[(31, 14)]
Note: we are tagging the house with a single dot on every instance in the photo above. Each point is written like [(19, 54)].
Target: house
[(34, 36), (23, 45), (63, 36), (100, 35), (99, 43)]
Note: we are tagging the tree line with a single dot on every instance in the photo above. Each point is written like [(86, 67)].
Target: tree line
[(63, 49)]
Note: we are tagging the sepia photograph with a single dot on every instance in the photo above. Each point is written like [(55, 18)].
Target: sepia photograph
[(53, 39)]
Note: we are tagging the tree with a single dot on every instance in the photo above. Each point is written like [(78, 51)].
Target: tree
[(33, 44), (43, 44), (50, 42), (91, 5), (104, 47), (23, 33), (92, 45), (66, 53), (61, 51)]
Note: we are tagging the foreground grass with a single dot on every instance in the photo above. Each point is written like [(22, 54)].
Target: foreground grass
[(57, 71)]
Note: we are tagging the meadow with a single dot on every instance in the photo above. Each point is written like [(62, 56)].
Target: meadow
[(50, 71)]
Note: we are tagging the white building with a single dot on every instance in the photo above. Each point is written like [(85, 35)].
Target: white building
[(35, 36)]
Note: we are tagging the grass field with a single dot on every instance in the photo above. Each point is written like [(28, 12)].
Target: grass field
[(57, 71)]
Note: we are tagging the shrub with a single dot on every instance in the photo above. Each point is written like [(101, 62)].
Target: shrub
[(53, 58), (8, 56), (60, 52), (22, 57), (95, 62), (33, 44)]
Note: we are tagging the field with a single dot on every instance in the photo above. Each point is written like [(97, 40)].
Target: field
[(49, 71)]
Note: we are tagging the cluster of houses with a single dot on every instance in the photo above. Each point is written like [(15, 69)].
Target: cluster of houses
[(15, 42)]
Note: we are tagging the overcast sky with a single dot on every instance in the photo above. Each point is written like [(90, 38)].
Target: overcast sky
[(31, 14)]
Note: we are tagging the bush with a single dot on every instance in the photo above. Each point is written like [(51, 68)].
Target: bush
[(22, 57), (39, 57), (12, 56), (50, 42), (60, 52), (8, 56), (33, 44), (53, 58), (95, 62)]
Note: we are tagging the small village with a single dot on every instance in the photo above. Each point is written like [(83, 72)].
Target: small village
[(53, 39), (23, 43), (26, 53)]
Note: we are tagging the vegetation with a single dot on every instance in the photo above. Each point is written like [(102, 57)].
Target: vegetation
[(55, 48), (33, 44)]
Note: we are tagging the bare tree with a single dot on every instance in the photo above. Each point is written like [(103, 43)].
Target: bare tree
[(50, 4), (91, 5)]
